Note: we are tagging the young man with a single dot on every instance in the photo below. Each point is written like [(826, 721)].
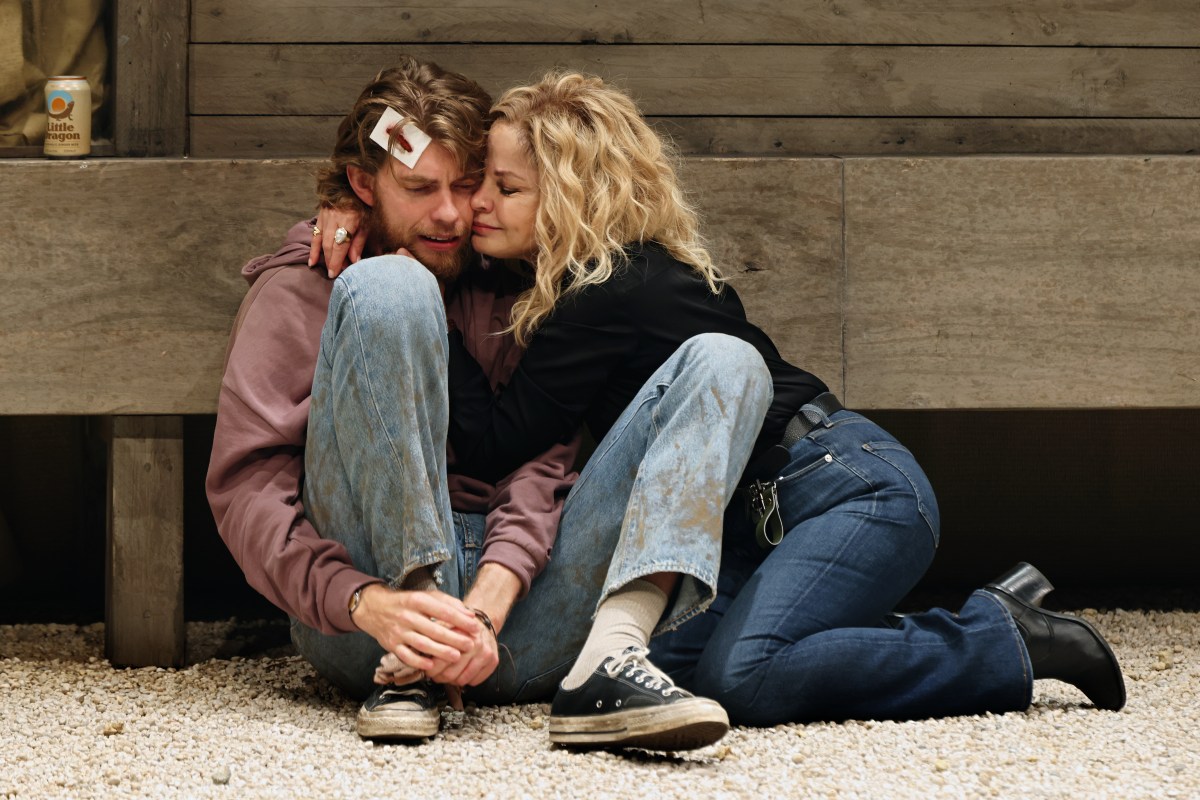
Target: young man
[(328, 477)]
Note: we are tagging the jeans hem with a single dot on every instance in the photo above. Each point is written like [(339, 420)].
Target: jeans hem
[(678, 616), (692, 611), (1022, 649), (429, 558)]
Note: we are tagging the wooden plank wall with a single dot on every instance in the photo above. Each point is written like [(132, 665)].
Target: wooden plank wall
[(784, 77), (150, 77)]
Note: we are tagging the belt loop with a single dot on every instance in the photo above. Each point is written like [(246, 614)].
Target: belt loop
[(776, 457), (825, 405)]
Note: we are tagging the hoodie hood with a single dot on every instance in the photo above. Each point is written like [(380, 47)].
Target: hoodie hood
[(292, 253)]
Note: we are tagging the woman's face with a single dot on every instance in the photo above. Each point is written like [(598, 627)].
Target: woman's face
[(506, 203)]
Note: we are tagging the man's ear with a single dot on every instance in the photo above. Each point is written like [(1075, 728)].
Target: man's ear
[(363, 184)]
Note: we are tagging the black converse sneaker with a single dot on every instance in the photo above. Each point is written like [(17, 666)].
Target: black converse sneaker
[(401, 712), (628, 702)]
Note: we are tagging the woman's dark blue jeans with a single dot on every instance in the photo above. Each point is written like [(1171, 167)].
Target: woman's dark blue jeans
[(798, 633)]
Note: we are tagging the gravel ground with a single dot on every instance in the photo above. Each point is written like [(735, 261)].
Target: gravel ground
[(231, 726)]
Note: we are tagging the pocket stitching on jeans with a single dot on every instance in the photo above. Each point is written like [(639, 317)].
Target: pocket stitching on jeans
[(805, 470), (874, 449)]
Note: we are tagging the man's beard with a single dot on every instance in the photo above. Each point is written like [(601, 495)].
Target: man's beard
[(445, 266)]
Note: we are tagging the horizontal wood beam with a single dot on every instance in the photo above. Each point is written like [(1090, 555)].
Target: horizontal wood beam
[(293, 136), (1022, 283), (1174, 23), (888, 136), (983, 282), (736, 80)]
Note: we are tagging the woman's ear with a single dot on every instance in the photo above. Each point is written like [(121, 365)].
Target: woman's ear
[(363, 184)]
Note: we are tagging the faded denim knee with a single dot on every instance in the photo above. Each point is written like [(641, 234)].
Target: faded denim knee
[(390, 299), (736, 370)]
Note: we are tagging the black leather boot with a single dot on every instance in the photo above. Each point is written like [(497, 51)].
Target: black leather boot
[(1068, 649), (1025, 583)]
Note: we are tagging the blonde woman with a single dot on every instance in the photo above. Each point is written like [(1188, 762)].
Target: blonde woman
[(841, 522)]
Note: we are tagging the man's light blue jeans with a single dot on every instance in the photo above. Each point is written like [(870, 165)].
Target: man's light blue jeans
[(797, 634), (650, 499)]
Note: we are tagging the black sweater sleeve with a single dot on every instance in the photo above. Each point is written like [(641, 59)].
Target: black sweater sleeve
[(559, 378)]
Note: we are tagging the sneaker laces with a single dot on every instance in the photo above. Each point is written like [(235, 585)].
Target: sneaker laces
[(637, 666), (407, 690)]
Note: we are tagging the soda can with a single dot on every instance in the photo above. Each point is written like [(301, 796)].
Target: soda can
[(68, 116)]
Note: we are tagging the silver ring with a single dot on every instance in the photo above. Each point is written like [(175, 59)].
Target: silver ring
[(341, 236)]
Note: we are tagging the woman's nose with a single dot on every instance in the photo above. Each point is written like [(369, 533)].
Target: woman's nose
[(479, 201)]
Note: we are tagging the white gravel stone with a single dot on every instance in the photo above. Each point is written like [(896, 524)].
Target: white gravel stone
[(267, 727)]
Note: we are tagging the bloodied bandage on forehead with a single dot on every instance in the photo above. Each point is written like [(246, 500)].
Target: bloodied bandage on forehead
[(407, 141)]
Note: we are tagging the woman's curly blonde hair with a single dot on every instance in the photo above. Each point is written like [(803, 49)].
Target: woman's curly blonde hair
[(605, 179)]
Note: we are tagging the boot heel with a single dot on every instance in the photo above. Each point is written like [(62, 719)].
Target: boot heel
[(1024, 582)]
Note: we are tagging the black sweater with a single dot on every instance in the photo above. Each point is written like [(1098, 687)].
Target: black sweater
[(589, 359)]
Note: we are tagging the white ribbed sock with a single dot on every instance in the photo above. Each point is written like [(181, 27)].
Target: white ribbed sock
[(625, 619), (392, 670)]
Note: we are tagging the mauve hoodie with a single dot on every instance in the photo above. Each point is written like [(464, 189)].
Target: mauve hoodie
[(257, 466)]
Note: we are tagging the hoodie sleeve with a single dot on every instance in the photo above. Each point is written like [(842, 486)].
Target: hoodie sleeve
[(524, 508), (254, 476)]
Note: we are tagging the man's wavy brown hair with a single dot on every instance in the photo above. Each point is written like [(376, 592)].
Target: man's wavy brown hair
[(451, 108)]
